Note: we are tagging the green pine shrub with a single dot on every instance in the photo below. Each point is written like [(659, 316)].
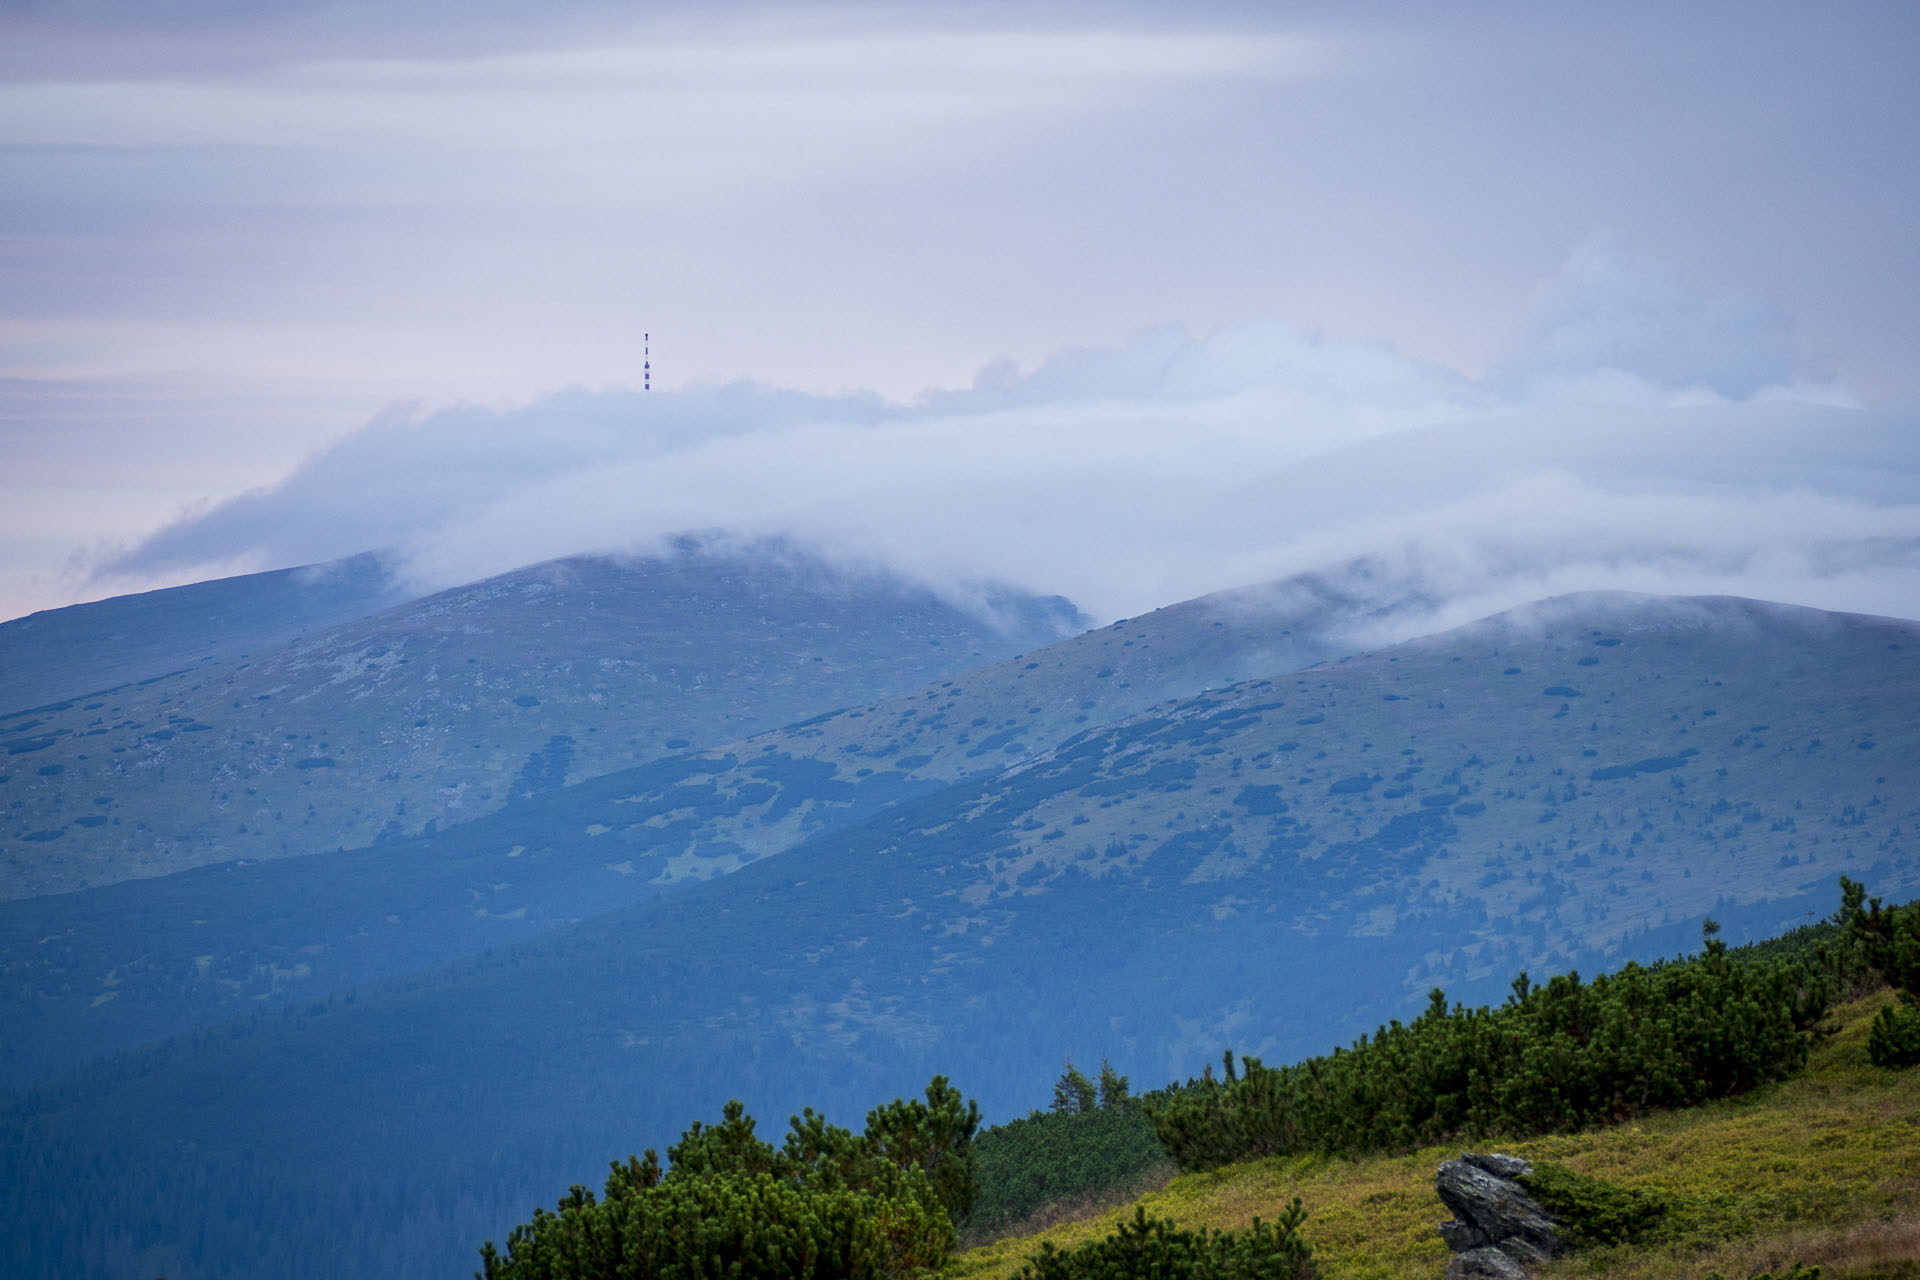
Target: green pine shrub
[(729, 1227), (1154, 1249), (1593, 1210), (1553, 1058), (1048, 1157), (1890, 937), (828, 1203), (1894, 1039)]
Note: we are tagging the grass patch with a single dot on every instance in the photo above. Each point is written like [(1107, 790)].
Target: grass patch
[(1823, 1168)]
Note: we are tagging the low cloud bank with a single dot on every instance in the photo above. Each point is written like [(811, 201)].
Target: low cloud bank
[(1639, 439)]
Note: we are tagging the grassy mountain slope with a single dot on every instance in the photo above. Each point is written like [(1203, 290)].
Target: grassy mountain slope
[(1580, 772), (87, 973), (1243, 875), (65, 653), (438, 711), (1823, 1168), (107, 968)]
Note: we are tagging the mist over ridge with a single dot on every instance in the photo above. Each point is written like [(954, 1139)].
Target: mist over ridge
[(1637, 438)]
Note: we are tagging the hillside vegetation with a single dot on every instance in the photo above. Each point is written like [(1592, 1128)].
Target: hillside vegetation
[(440, 710), (121, 964), (1252, 869), (1554, 1057), (1731, 757), (83, 648), (1821, 1168), (1552, 1060)]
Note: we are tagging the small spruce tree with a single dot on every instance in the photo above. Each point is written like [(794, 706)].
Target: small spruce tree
[(1073, 1093), (1891, 939), (1113, 1089)]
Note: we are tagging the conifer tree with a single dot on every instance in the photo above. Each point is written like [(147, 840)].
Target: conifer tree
[(1073, 1093), (935, 1137), (873, 1206), (1113, 1088), (1890, 937)]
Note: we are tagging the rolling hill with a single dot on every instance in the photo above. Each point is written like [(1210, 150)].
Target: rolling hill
[(442, 709), (107, 968), (85, 648), (1267, 865)]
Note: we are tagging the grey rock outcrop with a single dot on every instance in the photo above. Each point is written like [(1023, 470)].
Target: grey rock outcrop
[(1498, 1230), (1498, 1164), (1484, 1263)]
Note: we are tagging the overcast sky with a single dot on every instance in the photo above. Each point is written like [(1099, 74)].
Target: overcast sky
[(1046, 287)]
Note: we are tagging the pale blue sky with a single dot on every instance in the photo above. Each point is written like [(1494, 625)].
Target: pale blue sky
[(228, 240)]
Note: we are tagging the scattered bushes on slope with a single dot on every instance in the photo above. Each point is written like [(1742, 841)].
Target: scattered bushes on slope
[(828, 1203), (1891, 939), (1153, 1249), (1553, 1057)]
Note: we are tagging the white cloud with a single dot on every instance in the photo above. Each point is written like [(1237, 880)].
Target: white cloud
[(1135, 476), (1610, 314)]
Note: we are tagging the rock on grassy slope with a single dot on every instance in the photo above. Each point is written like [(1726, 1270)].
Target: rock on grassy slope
[(1823, 1169)]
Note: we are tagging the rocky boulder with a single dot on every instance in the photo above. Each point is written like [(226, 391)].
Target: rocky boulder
[(1498, 1229), (1484, 1263)]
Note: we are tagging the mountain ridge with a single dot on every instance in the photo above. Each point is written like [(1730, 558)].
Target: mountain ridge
[(441, 708), (197, 947), (1206, 900), (72, 652)]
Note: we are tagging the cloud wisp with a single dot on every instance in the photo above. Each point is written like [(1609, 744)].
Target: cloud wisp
[(1642, 439)]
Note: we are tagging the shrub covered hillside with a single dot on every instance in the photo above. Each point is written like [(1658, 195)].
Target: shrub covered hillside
[(826, 1203), (1891, 938), (1822, 1168), (1554, 1058), (1797, 1145)]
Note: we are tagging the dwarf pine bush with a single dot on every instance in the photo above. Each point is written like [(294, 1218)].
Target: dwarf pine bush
[(828, 1203), (1153, 1249), (1554, 1057), (1891, 939)]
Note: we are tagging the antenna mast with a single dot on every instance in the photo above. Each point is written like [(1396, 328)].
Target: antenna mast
[(646, 362)]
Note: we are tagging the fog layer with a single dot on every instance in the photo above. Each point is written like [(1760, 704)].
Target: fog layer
[(1637, 438)]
